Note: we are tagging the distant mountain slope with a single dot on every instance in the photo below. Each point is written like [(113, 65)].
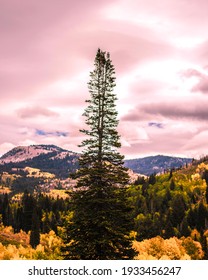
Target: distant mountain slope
[(22, 153), (61, 162), (48, 158), (155, 164)]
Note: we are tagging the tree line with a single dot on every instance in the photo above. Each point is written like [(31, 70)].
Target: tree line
[(33, 213)]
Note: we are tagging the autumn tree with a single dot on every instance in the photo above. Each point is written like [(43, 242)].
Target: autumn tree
[(102, 218)]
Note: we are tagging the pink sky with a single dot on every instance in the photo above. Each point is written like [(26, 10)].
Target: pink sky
[(160, 52)]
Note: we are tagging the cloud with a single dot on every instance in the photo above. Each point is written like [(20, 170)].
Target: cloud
[(40, 42), (173, 110), (176, 138), (198, 142), (6, 146), (202, 83), (33, 112), (192, 73), (177, 17), (202, 86), (47, 53)]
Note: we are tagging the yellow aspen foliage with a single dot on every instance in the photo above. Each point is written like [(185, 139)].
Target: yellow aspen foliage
[(206, 233), (193, 248), (51, 244), (202, 167), (16, 246), (195, 235), (173, 248)]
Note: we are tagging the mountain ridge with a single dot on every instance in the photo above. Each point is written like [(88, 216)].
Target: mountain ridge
[(48, 158), (53, 159), (30, 152), (156, 164)]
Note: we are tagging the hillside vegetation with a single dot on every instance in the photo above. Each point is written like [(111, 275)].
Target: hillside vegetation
[(47, 158), (170, 214), (155, 164)]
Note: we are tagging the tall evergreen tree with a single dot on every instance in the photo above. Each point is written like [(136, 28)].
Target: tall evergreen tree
[(206, 195), (102, 218), (6, 211), (178, 210), (35, 229), (28, 205), (18, 219), (172, 185), (204, 246)]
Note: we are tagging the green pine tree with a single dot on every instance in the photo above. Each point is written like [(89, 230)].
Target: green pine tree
[(204, 246), (178, 210), (28, 205), (206, 194), (35, 229), (172, 185), (6, 211), (102, 218)]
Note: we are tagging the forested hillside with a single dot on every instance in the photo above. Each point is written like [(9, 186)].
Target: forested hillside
[(61, 162), (47, 158), (155, 164), (170, 215)]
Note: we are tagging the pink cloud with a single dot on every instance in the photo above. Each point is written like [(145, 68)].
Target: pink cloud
[(169, 110), (202, 84), (176, 16), (153, 145), (37, 41), (32, 112), (44, 44)]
